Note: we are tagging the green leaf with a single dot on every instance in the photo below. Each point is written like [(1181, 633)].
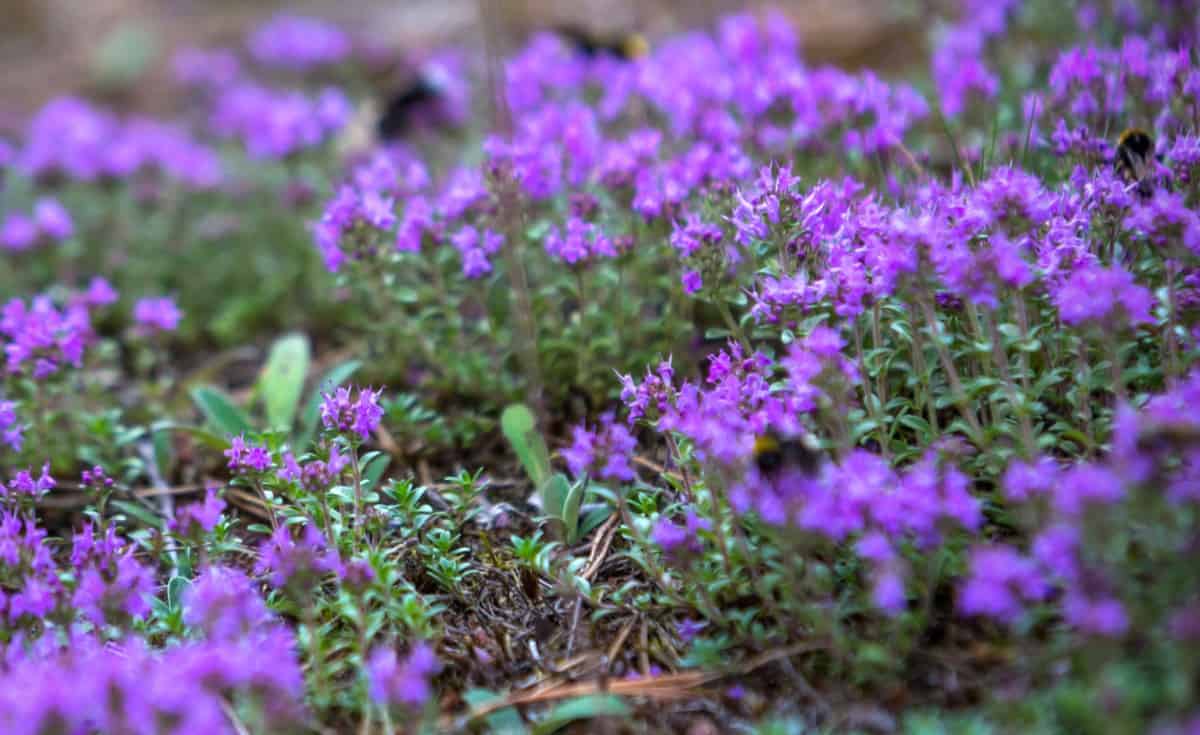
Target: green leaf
[(204, 436), (139, 512), (581, 708), (281, 382), (221, 412), (520, 428), (554, 495), (593, 518), (506, 721), (570, 513), (373, 469)]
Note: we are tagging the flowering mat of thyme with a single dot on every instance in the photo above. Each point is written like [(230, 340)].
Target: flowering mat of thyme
[(465, 432)]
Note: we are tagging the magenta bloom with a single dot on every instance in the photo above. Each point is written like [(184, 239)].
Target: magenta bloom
[(53, 220), (395, 683), (247, 457), (1107, 296), (24, 483), (154, 315), (298, 43), (346, 410), (198, 517), (11, 429), (297, 562), (604, 452)]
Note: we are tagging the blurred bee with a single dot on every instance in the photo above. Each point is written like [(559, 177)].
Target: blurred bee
[(1172, 437), (1135, 159), (629, 46), (403, 105), (375, 123), (774, 454)]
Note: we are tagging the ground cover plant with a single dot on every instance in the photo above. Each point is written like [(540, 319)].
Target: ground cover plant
[(708, 390)]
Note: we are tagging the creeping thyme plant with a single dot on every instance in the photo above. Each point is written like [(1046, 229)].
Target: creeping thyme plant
[(458, 433)]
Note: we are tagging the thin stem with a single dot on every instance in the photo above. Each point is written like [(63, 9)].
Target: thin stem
[(734, 327), (918, 353), (1114, 365), (356, 471), (1172, 344), (874, 406), (960, 395), (1015, 398)]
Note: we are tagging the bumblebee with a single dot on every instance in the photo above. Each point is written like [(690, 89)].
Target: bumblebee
[(377, 122), (398, 113), (774, 453), (629, 46), (1135, 159), (1173, 437)]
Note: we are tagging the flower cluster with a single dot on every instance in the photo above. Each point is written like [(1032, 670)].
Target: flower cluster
[(604, 452), (396, 683), (154, 315), (50, 223), (275, 124), (298, 43), (298, 563), (71, 138), (352, 410), (39, 338)]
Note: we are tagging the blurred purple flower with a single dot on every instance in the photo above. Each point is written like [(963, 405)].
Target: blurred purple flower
[(603, 452), (297, 563), (154, 315), (395, 683), (298, 43)]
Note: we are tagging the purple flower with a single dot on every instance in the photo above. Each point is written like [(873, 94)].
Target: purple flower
[(1001, 582), (247, 457), (37, 599), (676, 539), (24, 483), (580, 241), (96, 479), (297, 563), (53, 220), (298, 43), (1106, 296), (199, 518), (1103, 616), (959, 70), (18, 233), (274, 124), (1023, 480), (42, 337), (347, 410), (395, 683), (206, 68), (225, 604), (475, 249), (604, 452), (156, 314), (1085, 485), (12, 431), (99, 293), (113, 594)]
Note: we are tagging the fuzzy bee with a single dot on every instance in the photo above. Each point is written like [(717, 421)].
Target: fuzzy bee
[(380, 123), (628, 46), (403, 105), (1173, 437), (775, 454), (1135, 159)]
